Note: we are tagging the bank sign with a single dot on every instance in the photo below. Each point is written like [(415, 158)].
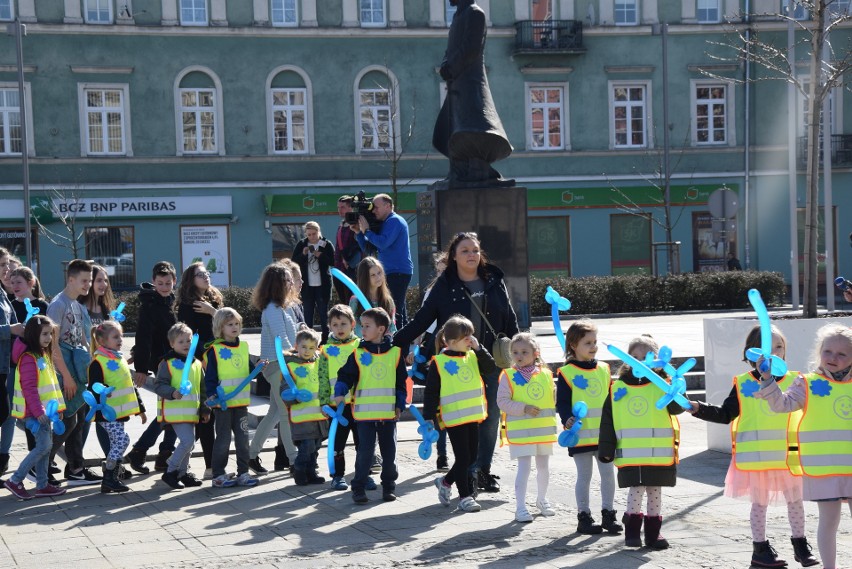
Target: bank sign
[(46, 210)]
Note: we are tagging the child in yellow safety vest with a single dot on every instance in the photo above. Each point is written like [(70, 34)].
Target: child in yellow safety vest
[(583, 378), (526, 396), (181, 411), (341, 343), (765, 460), (109, 368), (643, 441), (455, 397), (824, 434), (226, 365), (308, 423), (36, 384)]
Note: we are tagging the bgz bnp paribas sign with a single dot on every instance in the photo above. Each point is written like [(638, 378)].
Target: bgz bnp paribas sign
[(127, 207)]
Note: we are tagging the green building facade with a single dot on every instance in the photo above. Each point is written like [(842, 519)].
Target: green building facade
[(212, 129)]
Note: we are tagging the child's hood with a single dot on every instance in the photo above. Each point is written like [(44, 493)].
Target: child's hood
[(18, 349), (375, 348), (149, 296)]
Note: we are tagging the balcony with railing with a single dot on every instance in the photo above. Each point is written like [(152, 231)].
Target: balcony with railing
[(841, 150), (549, 37)]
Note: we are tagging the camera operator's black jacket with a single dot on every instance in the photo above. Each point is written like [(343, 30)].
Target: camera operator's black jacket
[(326, 261), (448, 298)]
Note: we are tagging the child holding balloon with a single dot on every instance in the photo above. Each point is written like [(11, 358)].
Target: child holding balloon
[(36, 385), (25, 286), (526, 396), (109, 369), (624, 429), (584, 378), (755, 474)]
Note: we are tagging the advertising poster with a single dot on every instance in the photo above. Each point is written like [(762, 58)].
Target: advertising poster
[(210, 245), (709, 243)]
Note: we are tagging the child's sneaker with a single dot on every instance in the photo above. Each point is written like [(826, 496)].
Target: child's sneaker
[(523, 515), (49, 491), (370, 484), (224, 481), (444, 492), (360, 497), (339, 483), (468, 504), (190, 480), (18, 490), (545, 508), (246, 479)]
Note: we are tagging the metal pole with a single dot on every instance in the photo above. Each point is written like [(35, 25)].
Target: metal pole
[(791, 160), (20, 31), (827, 198), (666, 170), (747, 133)]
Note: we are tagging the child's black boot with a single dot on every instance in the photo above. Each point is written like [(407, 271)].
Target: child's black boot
[(300, 477), (586, 524), (802, 552), (653, 539), (633, 530), (136, 459), (173, 479), (161, 464), (111, 483), (764, 555), (608, 522)]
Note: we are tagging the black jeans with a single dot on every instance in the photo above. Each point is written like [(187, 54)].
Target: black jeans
[(340, 441), (72, 438), (315, 301), (465, 441)]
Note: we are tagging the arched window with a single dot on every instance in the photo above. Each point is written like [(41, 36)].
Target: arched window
[(289, 111), (198, 112), (376, 109)]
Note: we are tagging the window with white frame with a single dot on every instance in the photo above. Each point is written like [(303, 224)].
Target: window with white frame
[(375, 113), (193, 12), (289, 121), (546, 117), (838, 7), (7, 10), (626, 12), (372, 12), (105, 114), (10, 122), (629, 107), (284, 13), (449, 11), (800, 12), (710, 113), (707, 11), (198, 120), (98, 11)]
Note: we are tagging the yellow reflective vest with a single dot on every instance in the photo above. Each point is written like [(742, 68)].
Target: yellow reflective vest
[(306, 376), (48, 385), (116, 374), (538, 391), (185, 409), (462, 397), (232, 366), (763, 439), (646, 435), (591, 386), (825, 433), (375, 392), (336, 355)]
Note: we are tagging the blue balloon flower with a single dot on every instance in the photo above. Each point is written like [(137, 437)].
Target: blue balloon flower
[(619, 393), (112, 365), (302, 371), (749, 388), (42, 365), (821, 388), (581, 382), (178, 364), (333, 351), (451, 367), (225, 353), (519, 379), (366, 358)]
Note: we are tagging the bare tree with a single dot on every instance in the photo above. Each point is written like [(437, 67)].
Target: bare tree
[(64, 205), (827, 70)]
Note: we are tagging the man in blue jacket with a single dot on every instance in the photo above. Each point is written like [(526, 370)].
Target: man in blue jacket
[(394, 249)]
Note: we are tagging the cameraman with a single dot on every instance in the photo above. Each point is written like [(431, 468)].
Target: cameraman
[(315, 256), (394, 250)]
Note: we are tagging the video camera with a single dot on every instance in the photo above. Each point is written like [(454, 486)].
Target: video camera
[(361, 205)]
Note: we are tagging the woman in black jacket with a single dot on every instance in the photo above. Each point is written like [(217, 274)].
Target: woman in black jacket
[(469, 279), (315, 256)]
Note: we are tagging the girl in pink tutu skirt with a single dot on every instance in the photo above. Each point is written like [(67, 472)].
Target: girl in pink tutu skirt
[(765, 461)]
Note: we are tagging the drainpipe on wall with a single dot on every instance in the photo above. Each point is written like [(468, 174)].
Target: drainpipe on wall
[(792, 177), (747, 130)]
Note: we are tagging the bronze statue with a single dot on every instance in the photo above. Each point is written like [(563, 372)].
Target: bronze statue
[(468, 130)]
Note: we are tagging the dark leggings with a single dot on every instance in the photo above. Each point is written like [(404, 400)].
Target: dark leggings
[(4, 398), (465, 442), (340, 441), (206, 433)]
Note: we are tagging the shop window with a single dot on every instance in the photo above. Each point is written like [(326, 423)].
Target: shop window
[(114, 249), (285, 236), (549, 246), (14, 240), (630, 244)]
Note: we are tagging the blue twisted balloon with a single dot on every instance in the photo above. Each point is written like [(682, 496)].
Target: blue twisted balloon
[(336, 418), (185, 384), (118, 314), (570, 437), (672, 392), (427, 431), (663, 361), (777, 365), (557, 303), (414, 371), (31, 310), (359, 294), (292, 393), (221, 399), (52, 412), (99, 404)]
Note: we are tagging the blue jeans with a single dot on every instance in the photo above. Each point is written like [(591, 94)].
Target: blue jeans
[(149, 438), (306, 459), (315, 302), (441, 445), (398, 285), (38, 458), (368, 432), (488, 428), (7, 429)]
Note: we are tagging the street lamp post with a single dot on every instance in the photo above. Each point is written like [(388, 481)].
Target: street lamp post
[(19, 30)]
